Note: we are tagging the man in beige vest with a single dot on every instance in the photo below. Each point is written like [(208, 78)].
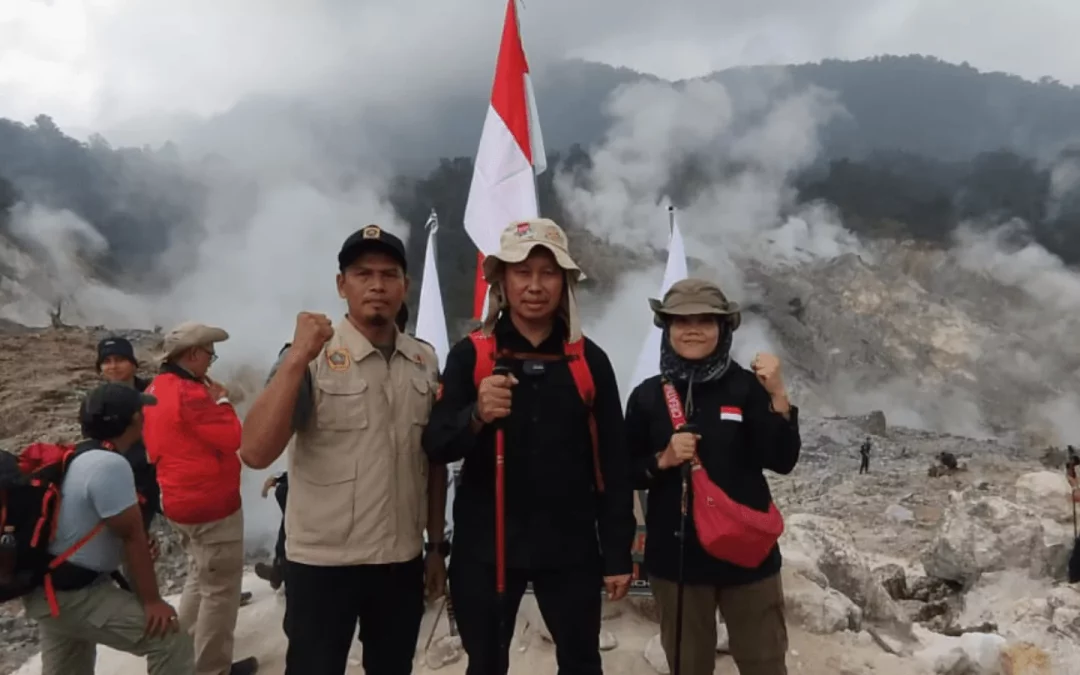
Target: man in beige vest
[(357, 396)]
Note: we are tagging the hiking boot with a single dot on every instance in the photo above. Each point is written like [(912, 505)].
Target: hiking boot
[(271, 573), (248, 666), (245, 598)]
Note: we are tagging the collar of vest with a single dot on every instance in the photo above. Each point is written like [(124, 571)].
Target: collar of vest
[(346, 335)]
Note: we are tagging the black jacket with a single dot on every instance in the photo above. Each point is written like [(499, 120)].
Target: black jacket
[(554, 515), (145, 473), (733, 454)]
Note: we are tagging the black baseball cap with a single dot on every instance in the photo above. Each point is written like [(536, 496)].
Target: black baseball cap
[(108, 409), (115, 346), (371, 238)]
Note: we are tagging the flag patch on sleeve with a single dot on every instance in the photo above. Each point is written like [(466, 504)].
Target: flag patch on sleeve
[(730, 413)]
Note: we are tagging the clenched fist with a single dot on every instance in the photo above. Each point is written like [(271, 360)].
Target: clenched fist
[(493, 397), (767, 368), (681, 448), (312, 332)]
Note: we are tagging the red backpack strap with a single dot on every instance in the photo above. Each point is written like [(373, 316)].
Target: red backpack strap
[(579, 368), (50, 590), (485, 355)]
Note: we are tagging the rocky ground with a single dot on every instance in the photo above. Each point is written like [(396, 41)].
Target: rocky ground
[(897, 572)]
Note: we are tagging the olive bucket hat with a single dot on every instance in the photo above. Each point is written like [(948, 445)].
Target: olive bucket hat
[(691, 297)]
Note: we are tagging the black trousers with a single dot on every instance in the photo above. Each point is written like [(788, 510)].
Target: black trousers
[(864, 465), (323, 605), (569, 600)]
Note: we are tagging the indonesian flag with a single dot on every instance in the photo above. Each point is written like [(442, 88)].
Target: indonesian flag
[(648, 362), (730, 413), (511, 153), (430, 317)]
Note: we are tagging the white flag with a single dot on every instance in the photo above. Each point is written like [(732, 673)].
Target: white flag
[(648, 362), (430, 317)]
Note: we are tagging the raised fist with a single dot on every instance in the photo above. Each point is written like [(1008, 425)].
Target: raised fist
[(312, 332)]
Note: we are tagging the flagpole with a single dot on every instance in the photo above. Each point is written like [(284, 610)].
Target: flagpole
[(671, 220), (536, 182)]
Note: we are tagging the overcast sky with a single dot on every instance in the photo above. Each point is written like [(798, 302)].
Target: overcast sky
[(93, 64)]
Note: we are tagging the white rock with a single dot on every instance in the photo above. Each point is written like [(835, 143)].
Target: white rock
[(654, 654), (980, 534), (818, 610), (899, 514), (969, 654), (444, 651), (1047, 493), (829, 544), (723, 645), (608, 641), (529, 612)]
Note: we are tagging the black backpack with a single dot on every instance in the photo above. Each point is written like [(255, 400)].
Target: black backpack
[(29, 508)]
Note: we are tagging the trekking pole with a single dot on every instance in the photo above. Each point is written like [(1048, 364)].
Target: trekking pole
[(685, 470), (684, 513), (500, 533)]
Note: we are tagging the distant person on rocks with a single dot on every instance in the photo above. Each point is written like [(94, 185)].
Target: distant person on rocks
[(741, 423), (864, 455), (98, 494), (193, 436), (357, 395), (274, 572), (569, 506)]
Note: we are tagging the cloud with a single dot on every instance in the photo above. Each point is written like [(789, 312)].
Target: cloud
[(97, 63)]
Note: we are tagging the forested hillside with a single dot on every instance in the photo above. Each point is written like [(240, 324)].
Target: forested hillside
[(942, 169)]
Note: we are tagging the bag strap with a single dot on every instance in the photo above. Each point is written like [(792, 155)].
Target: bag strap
[(50, 590), (678, 417), (674, 406)]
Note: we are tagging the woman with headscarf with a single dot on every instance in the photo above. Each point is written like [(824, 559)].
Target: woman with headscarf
[(569, 521), (739, 423)]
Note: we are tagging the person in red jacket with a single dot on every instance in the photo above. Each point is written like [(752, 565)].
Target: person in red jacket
[(193, 436)]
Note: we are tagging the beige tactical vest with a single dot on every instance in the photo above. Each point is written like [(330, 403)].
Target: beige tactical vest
[(357, 474)]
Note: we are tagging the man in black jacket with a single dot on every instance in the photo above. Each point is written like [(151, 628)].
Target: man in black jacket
[(568, 496), (117, 363)]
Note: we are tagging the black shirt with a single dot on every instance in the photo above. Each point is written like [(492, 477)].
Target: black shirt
[(733, 453), (555, 516)]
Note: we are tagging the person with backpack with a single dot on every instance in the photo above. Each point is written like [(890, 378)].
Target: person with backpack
[(704, 430), (564, 497), (192, 437), (98, 524), (354, 396)]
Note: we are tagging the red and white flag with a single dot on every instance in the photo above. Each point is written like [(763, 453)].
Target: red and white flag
[(511, 153)]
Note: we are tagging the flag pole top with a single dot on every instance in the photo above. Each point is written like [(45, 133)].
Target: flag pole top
[(671, 219)]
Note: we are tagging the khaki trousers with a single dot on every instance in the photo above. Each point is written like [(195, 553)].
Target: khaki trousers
[(754, 614), (103, 614), (210, 601)]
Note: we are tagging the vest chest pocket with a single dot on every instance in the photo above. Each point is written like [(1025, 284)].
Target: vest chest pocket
[(342, 404), (421, 399)]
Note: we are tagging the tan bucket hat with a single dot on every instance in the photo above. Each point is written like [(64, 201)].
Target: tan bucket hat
[(516, 243), (520, 238), (187, 335), (690, 297)]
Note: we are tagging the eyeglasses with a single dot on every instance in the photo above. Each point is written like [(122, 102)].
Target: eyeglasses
[(210, 353)]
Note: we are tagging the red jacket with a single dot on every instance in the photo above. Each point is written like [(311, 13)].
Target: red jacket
[(193, 441)]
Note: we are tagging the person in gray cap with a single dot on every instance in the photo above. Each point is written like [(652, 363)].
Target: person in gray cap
[(707, 423), (356, 394), (193, 436), (98, 508)]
